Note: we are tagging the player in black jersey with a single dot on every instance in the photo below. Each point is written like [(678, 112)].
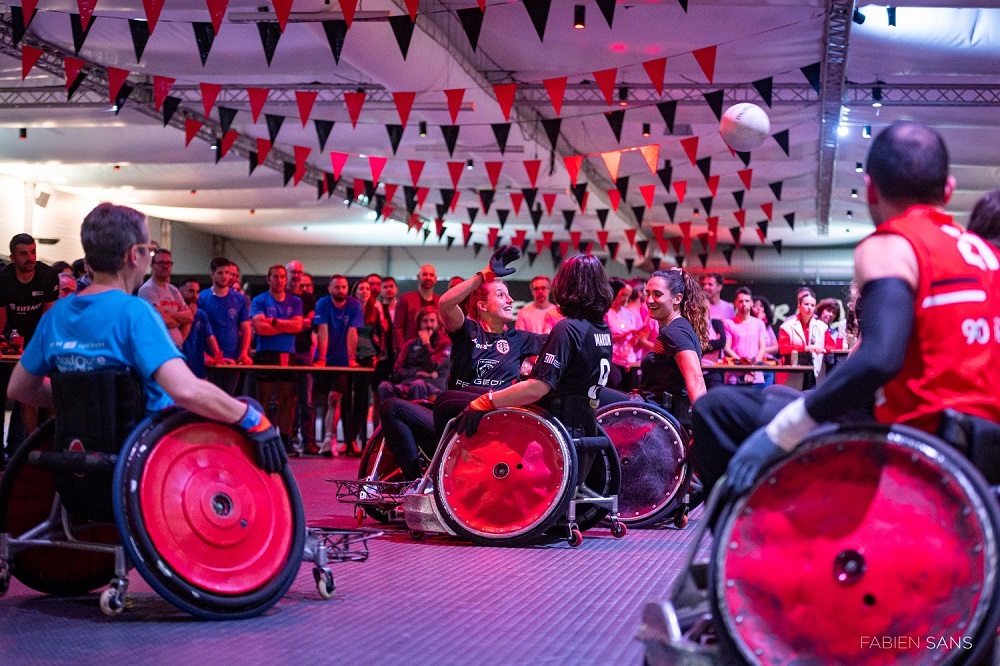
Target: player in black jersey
[(574, 364)]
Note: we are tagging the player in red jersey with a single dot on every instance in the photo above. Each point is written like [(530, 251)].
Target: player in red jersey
[(930, 329)]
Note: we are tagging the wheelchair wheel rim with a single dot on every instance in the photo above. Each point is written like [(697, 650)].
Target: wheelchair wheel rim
[(850, 541), (212, 517), (509, 479)]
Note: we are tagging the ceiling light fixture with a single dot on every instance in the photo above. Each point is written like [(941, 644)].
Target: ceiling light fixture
[(842, 130), (866, 132), (854, 194), (858, 166), (877, 95), (623, 96), (850, 214), (423, 128), (23, 133), (468, 164), (891, 11), (858, 17), (579, 17), (645, 129)]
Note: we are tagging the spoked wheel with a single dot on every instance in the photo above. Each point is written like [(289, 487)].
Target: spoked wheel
[(510, 482), (888, 533), (208, 530), (27, 498), (378, 464)]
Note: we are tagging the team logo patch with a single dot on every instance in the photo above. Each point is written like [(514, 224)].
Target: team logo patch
[(485, 365), (503, 347), (75, 445)]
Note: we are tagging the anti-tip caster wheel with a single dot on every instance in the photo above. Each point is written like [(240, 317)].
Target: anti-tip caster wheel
[(324, 582), (575, 538), (112, 602), (417, 535), (359, 515), (681, 520), (618, 529)]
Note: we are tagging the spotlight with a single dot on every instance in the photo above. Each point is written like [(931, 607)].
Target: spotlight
[(423, 128), (854, 194), (579, 17), (194, 192), (645, 129), (842, 130), (858, 166), (850, 214), (253, 211), (623, 96), (23, 133), (877, 96), (116, 168), (866, 132), (468, 164), (891, 11), (858, 17), (696, 212)]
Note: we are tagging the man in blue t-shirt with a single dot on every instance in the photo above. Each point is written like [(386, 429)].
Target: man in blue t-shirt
[(277, 317), (338, 317), (229, 314), (200, 338)]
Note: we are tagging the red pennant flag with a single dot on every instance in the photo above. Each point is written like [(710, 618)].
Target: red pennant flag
[(531, 167), (761, 235), (482, 5), (573, 164), (354, 102), (413, 223), (706, 60), (74, 66), (422, 196), (713, 239), (606, 81), (690, 146), (257, 97), (404, 103), (680, 187), (359, 187), (454, 200), (30, 55), (547, 237), (557, 90), (411, 7), (651, 154), (305, 100), (282, 8), (602, 238), (519, 237), (713, 184), (455, 96), (505, 95), (493, 171), (660, 240), (630, 236), (439, 226), (209, 92), (550, 201), (713, 224), (116, 78), (28, 8), (583, 201), (191, 128), (741, 217), (152, 9), (616, 198), (686, 241), (574, 238), (655, 70), (589, 248), (87, 10), (388, 210), (564, 248), (745, 175), (263, 148), (301, 154), (161, 86), (377, 164), (228, 139), (338, 160), (612, 160), (685, 228), (647, 192), (491, 236), (416, 168), (390, 191), (516, 199), (768, 209), (466, 232), (456, 169), (347, 8), (216, 9)]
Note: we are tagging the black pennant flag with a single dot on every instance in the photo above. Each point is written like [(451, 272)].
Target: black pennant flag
[(472, 21), (427, 233), (782, 139), (671, 208), (80, 35), (556, 253), (442, 209), (204, 35), (402, 27), (289, 167), (655, 262), (410, 197), (744, 156), (668, 110), (502, 215), (486, 197), (440, 225), (602, 216), (776, 188), (450, 132), (536, 217), (226, 117), (642, 246), (751, 250), (613, 250), (323, 129), (608, 9), (728, 254), (472, 211), (395, 136), (737, 234), (790, 218), (616, 119), (552, 126), (703, 258), (218, 152), (679, 259), (580, 194), (335, 30), (629, 263), (501, 131), (530, 193), (450, 241), (764, 89), (762, 226), (715, 100), (140, 36), (349, 195), (666, 174), (531, 258), (331, 183), (705, 166), (170, 105), (778, 245), (17, 19), (738, 195), (253, 161), (538, 10), (273, 125), (477, 248), (370, 189), (639, 212), (446, 197), (684, 5), (270, 33), (568, 216), (812, 73), (622, 185), (379, 205), (706, 203), (122, 95)]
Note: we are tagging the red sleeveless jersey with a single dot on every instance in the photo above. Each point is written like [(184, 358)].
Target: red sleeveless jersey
[(953, 356)]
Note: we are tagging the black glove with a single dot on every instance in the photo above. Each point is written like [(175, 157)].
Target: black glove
[(754, 456), (468, 421), (505, 254), (268, 449)]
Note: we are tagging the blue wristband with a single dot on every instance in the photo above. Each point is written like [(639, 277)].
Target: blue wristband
[(251, 419)]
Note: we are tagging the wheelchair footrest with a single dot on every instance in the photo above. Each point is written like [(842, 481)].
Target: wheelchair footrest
[(327, 544), (385, 494), (73, 461)]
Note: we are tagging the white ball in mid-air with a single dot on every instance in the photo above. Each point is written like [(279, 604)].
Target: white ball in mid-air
[(744, 126)]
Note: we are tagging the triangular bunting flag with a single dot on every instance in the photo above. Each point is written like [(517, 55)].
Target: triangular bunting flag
[(741, 217), (790, 218), (746, 175), (516, 199), (668, 110), (404, 103), (713, 184), (228, 139), (665, 174), (152, 9), (630, 235), (209, 93), (395, 133), (613, 250), (715, 100), (568, 216), (607, 8), (336, 31), (782, 139), (486, 200), (744, 156), (140, 36), (472, 213), (606, 82), (270, 34), (738, 196), (531, 258), (282, 8), (502, 215), (439, 227), (450, 241), (706, 203), (450, 133), (622, 185), (456, 169), (216, 10), (454, 97), (529, 195), (376, 164), (616, 119), (402, 28), (226, 117), (690, 146), (737, 234), (549, 198), (538, 10), (751, 251), (776, 189), (552, 126), (338, 160), (615, 198), (170, 105), (257, 97), (573, 164), (75, 76), (762, 230), (536, 217), (191, 129), (680, 188), (501, 131), (651, 154), (612, 159), (347, 8), (30, 55), (354, 101), (390, 191), (671, 208), (768, 209), (86, 8), (323, 129), (557, 89), (442, 209), (640, 246), (493, 172), (706, 60), (521, 238), (274, 126), (331, 183), (305, 99), (416, 168), (472, 21), (580, 194), (812, 74), (80, 34), (647, 192), (703, 258), (252, 160), (639, 212), (764, 88), (728, 255), (467, 234), (204, 36), (705, 166), (629, 262), (19, 23), (778, 245), (655, 70), (505, 98), (531, 167), (422, 193), (602, 239)]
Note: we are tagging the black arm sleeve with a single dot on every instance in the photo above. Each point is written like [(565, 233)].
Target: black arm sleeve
[(720, 343), (885, 332)]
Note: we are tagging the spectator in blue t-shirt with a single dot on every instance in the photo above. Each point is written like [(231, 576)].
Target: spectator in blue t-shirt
[(277, 317), (104, 327), (200, 338), (229, 314), (338, 318)]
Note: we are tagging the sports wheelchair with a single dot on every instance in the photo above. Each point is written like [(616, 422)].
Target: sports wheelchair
[(181, 501), (868, 545)]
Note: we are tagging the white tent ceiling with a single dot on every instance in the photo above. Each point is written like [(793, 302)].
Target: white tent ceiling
[(939, 64)]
